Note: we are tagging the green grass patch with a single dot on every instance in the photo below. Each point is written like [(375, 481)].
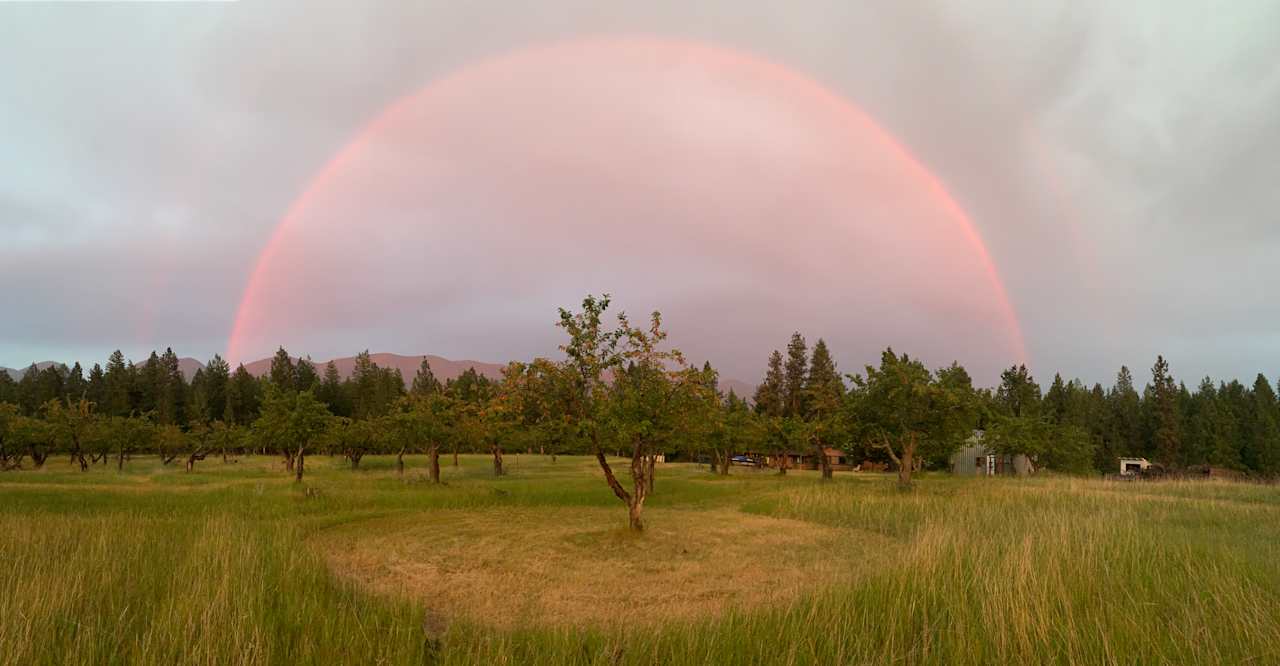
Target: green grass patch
[(234, 563)]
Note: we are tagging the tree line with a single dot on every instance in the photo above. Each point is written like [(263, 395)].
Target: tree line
[(621, 391)]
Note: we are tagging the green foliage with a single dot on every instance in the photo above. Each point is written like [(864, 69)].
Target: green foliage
[(911, 413), (770, 397), (425, 382), (795, 376), (291, 420)]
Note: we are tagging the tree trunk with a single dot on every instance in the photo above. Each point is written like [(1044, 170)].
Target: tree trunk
[(726, 459), (640, 464), (455, 457), (497, 460), (652, 460), (355, 460), (609, 477), (907, 464), (824, 463), (400, 461), (299, 464), (434, 469)]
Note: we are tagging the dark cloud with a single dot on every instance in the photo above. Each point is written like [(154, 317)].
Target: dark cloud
[(1118, 159)]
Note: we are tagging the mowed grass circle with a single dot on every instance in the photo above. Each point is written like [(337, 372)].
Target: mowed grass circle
[(581, 566)]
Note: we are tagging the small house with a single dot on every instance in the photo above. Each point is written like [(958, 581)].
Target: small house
[(837, 458)]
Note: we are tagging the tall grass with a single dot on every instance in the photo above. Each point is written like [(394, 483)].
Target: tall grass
[(157, 566)]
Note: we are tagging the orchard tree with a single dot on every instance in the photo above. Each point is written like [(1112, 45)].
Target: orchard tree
[(71, 425), (32, 435), (171, 442), (292, 421), (423, 421), (199, 439), (737, 429), (10, 455), (592, 351), (644, 405), (125, 434), (355, 439), (227, 436), (911, 413)]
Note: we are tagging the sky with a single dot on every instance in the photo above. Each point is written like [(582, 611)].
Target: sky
[(1075, 185)]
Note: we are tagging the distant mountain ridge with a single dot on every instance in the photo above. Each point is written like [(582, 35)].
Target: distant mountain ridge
[(443, 368), (17, 373)]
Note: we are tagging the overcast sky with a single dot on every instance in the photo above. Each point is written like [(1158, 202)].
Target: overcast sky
[(1118, 160)]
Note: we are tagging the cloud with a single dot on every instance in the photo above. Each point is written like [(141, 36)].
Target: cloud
[(1117, 157)]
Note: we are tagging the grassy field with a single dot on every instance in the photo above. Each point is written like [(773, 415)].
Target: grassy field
[(236, 564)]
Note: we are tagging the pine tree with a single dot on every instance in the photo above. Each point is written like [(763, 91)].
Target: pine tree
[(75, 388), (796, 375), (1124, 417), (51, 384), (244, 396), (29, 391), (823, 387), (118, 385), (1209, 437), (217, 376), (332, 392), (304, 375), (769, 398), (1262, 444), (96, 388), (1103, 453), (172, 395), (1018, 394), (8, 389), (425, 382), (199, 405), (1055, 401), (282, 374), (712, 378), (1166, 435)]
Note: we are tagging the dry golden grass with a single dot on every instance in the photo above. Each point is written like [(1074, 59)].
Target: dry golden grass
[(560, 567)]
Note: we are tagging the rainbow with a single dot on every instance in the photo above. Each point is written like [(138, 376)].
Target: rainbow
[(710, 56)]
